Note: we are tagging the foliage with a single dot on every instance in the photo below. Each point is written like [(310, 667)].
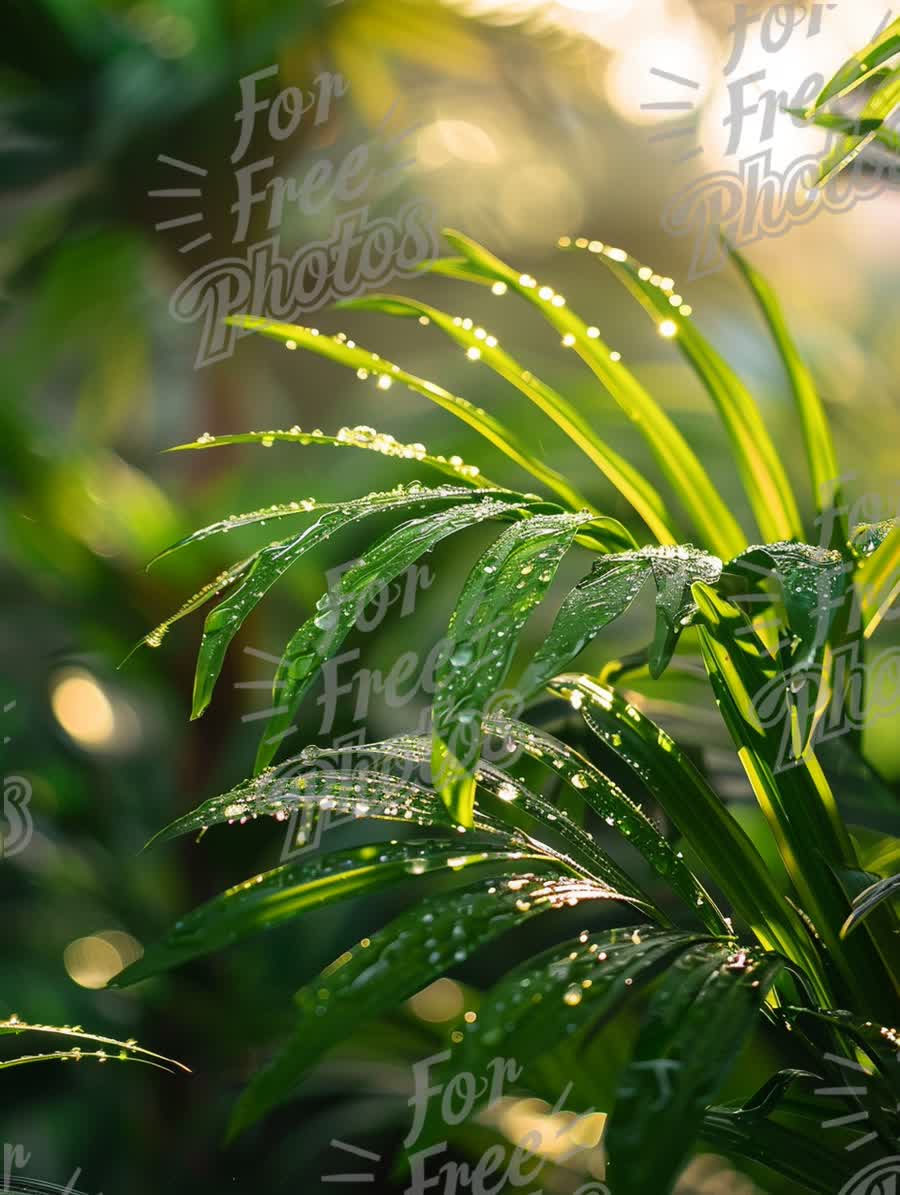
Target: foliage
[(771, 623)]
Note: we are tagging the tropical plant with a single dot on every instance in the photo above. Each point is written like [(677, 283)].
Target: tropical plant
[(774, 624)]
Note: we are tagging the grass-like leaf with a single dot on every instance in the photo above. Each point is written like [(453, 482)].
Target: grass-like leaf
[(346, 353), (716, 525), (481, 346), (722, 847), (759, 465), (697, 1022), (505, 585), (823, 468), (270, 899), (860, 66), (396, 962)]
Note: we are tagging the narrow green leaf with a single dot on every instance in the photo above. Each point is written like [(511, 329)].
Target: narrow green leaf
[(861, 65), (758, 463), (270, 899), (696, 1024), (823, 468), (351, 437), (712, 518), (721, 845), (850, 125), (594, 603), (321, 636), (880, 105), (617, 809), (503, 588), (878, 580), (272, 561), (807, 1162), (797, 801), (125, 1051), (346, 353), (636, 490), (398, 961), (869, 900)]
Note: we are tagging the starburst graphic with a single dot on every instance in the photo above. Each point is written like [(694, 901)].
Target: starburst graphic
[(853, 1090), (7, 709), (675, 132), (181, 193), (367, 1176)]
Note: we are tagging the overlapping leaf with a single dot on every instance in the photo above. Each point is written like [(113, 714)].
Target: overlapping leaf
[(715, 523), (505, 585), (397, 961), (695, 1026)]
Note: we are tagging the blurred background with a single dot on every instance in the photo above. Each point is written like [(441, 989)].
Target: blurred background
[(516, 121)]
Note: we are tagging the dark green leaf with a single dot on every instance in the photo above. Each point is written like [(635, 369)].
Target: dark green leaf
[(698, 1019)]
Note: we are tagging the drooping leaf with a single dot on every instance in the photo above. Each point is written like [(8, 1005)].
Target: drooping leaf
[(268, 900), (678, 462), (715, 836), (398, 961), (321, 636), (361, 436), (823, 468), (815, 583), (697, 1021), (123, 1051), (851, 125), (594, 603), (605, 797), (481, 346), (558, 993), (861, 65), (758, 463), (272, 561), (507, 582), (879, 106), (543, 822), (346, 353), (868, 900)]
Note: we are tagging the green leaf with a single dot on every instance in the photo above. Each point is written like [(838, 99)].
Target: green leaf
[(351, 437), (515, 802), (123, 1051), (868, 900), (346, 353), (758, 463), (634, 488), (399, 960), (503, 588), (797, 801), (561, 991), (270, 899), (696, 1024), (878, 578), (617, 809), (814, 583), (712, 518), (823, 468), (808, 1162), (674, 570), (272, 561), (594, 603), (321, 636), (860, 66), (716, 838), (880, 105), (851, 125)]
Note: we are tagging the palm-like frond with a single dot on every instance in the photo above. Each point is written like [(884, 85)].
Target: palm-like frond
[(742, 951)]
